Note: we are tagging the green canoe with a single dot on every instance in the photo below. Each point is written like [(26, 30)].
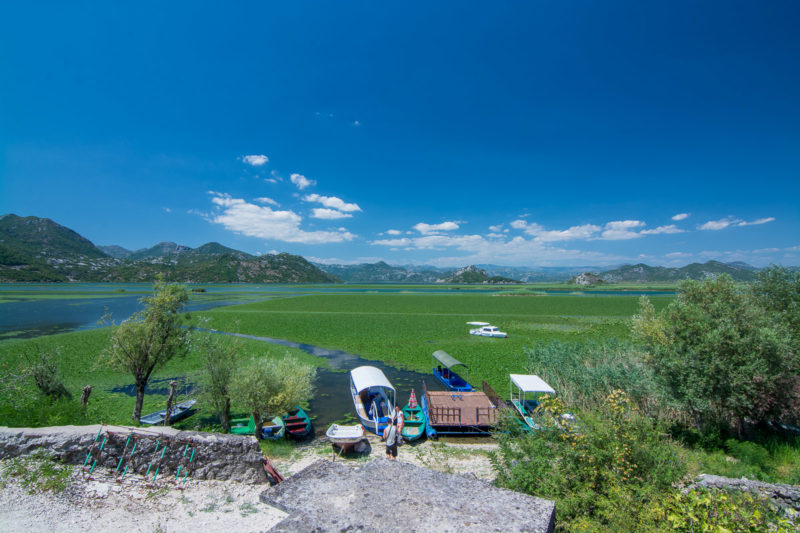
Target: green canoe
[(413, 423)]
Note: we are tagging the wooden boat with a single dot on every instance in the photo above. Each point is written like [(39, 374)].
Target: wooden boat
[(297, 423), (443, 371), (373, 397), (524, 384), (272, 429), (179, 412)]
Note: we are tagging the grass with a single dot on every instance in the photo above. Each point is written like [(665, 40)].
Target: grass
[(38, 472), (404, 329), (78, 365)]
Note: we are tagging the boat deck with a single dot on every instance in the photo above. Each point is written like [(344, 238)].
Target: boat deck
[(452, 409)]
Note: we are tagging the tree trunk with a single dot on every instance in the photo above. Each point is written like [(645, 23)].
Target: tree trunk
[(172, 386), (225, 416), (87, 390), (137, 410), (259, 425)]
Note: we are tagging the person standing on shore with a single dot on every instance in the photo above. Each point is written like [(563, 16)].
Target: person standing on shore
[(391, 434)]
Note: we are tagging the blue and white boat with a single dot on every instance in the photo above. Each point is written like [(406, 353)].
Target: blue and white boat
[(373, 398), (443, 370)]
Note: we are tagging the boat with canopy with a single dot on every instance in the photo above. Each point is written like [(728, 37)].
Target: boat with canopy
[(444, 372), (373, 397), (522, 385)]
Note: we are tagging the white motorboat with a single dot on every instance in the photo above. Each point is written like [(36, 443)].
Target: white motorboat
[(484, 329), (345, 435)]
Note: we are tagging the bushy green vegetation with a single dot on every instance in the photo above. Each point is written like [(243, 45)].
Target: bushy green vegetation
[(38, 472), (21, 403), (604, 470), (729, 353)]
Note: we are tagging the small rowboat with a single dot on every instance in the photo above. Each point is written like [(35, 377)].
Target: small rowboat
[(272, 429), (179, 411), (298, 424), (345, 435), (414, 423)]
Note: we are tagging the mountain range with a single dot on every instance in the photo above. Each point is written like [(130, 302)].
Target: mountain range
[(39, 249)]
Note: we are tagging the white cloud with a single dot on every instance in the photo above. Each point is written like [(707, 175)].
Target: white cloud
[(678, 255), (265, 200), (167, 210), (756, 222), (427, 229), (583, 232), (621, 230), (672, 228), (332, 202), (263, 222), (496, 229), (393, 242), (356, 123), (731, 221), (301, 181), (715, 225), (519, 224), (393, 232), (329, 214), (680, 216), (255, 160)]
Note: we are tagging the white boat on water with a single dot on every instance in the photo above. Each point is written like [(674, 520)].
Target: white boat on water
[(484, 329), (373, 397)]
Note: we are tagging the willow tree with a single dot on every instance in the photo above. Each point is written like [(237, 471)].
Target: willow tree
[(150, 337), (270, 387)]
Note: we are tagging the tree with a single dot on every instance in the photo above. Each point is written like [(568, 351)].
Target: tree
[(722, 354), (220, 356), (270, 387), (778, 291), (150, 337)]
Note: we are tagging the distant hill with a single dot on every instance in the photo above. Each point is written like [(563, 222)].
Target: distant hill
[(379, 272), (117, 252), (38, 249), (161, 249), (644, 273), (473, 274)]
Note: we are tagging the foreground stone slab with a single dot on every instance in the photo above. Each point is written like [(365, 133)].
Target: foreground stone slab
[(392, 496), (217, 456)]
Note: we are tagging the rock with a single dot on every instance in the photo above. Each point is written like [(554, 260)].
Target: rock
[(337, 497), (787, 496)]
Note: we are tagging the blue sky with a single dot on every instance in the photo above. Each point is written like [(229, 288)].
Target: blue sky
[(514, 133)]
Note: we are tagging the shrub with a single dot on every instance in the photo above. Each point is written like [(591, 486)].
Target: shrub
[(602, 471)]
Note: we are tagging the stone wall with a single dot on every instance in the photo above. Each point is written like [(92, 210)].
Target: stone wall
[(216, 456), (783, 495)]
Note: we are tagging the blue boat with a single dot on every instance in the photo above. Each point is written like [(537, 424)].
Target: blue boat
[(373, 398), (444, 372)]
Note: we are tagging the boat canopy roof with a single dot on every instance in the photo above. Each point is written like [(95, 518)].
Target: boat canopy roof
[(365, 377), (446, 359), (478, 323), (531, 383)]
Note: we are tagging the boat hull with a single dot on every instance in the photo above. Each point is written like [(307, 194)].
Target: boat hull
[(179, 412), (452, 381)]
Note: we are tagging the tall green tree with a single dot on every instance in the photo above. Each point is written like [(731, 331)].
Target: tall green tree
[(150, 337), (220, 358), (722, 354), (270, 387)]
